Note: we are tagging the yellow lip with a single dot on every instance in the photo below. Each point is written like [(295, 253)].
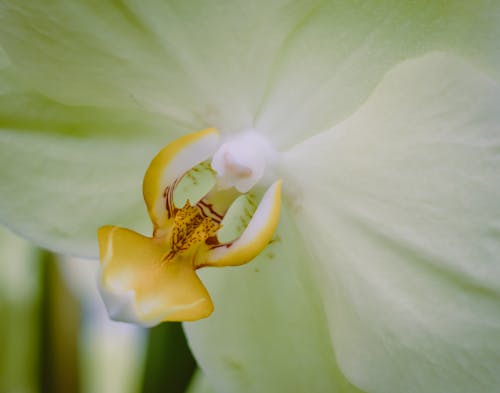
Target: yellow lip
[(172, 162)]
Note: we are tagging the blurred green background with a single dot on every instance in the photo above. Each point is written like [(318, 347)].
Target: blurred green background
[(56, 337)]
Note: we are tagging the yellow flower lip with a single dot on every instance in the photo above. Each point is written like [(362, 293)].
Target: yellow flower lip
[(136, 287), (171, 163), (147, 280), (257, 235)]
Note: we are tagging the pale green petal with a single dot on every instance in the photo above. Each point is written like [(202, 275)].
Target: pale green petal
[(267, 333), (58, 191), (400, 203), (65, 171), (340, 50), (201, 63), (292, 70), (103, 70), (289, 68)]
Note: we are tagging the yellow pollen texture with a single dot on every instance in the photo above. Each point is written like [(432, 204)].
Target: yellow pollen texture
[(191, 227)]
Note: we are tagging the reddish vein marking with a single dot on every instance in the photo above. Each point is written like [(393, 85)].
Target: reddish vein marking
[(205, 205)]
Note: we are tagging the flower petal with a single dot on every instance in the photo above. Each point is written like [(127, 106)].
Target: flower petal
[(65, 171), (267, 333), (290, 68), (340, 50), (290, 71), (400, 203), (139, 286)]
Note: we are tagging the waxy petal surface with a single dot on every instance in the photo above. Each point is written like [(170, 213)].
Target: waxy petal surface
[(139, 285), (200, 63), (400, 205), (268, 331), (293, 70), (290, 68)]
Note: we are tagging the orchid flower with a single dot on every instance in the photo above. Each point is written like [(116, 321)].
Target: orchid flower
[(381, 127)]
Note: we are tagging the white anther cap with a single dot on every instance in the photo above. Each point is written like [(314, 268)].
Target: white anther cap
[(241, 161)]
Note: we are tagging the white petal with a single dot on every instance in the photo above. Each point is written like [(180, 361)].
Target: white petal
[(267, 333), (340, 50), (292, 68), (65, 171), (57, 191), (400, 203), (200, 63)]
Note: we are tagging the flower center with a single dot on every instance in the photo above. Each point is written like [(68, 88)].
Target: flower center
[(191, 227), (200, 218)]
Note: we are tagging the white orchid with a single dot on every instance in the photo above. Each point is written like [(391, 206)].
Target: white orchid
[(382, 121)]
